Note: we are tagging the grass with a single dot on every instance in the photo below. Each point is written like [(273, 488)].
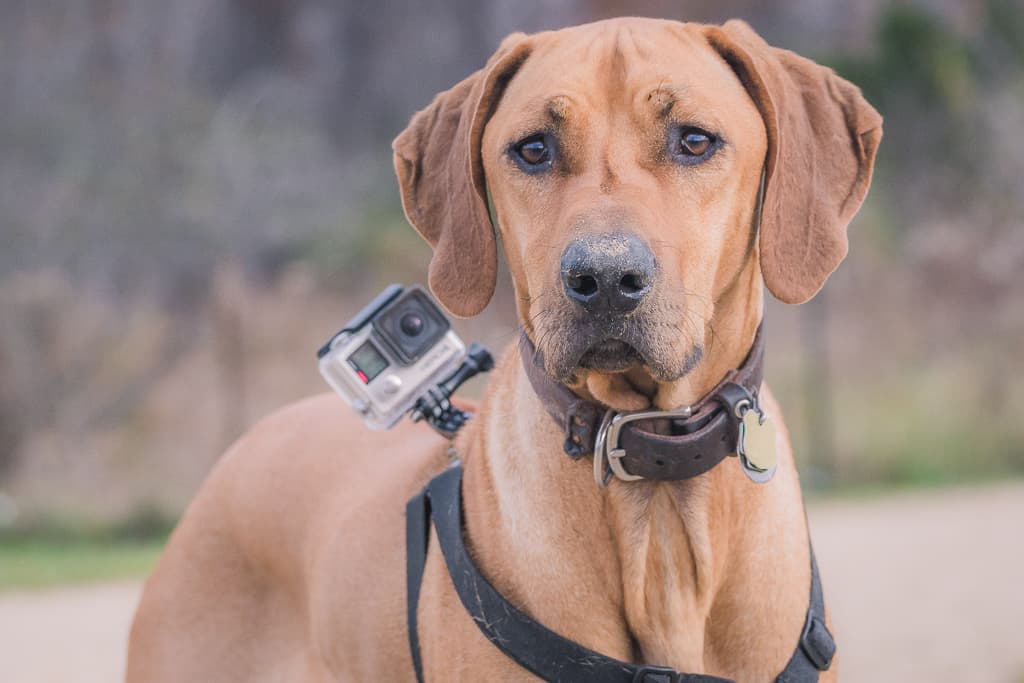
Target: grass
[(42, 562)]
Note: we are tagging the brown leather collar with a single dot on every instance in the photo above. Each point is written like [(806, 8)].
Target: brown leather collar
[(664, 447)]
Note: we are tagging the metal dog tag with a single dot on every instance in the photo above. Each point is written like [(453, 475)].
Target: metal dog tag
[(756, 447)]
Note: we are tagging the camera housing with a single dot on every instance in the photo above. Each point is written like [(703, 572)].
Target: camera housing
[(390, 354)]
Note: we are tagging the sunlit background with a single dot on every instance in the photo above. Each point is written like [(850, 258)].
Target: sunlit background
[(195, 194)]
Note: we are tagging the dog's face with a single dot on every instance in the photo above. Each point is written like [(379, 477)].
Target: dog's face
[(624, 160)]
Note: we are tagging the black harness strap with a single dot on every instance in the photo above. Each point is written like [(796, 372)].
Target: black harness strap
[(532, 645), (417, 537), (816, 648)]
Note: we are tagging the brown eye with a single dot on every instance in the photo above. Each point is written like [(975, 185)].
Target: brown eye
[(693, 145), (532, 153)]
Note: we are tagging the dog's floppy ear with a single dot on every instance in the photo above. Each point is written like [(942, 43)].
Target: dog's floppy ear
[(441, 178), (822, 138)]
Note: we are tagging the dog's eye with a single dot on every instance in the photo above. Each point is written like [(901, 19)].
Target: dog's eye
[(692, 145), (532, 153)]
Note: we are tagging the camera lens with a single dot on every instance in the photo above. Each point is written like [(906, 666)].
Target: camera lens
[(411, 324)]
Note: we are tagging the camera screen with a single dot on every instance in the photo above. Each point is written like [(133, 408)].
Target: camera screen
[(368, 362)]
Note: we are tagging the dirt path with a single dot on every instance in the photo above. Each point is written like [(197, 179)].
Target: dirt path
[(924, 586), (68, 635)]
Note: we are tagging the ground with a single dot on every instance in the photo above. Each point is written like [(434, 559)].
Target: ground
[(923, 586)]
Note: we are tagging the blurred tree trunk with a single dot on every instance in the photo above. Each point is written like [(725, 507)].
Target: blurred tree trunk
[(12, 425), (817, 390), (227, 318)]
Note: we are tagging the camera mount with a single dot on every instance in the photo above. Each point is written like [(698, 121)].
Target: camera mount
[(435, 407)]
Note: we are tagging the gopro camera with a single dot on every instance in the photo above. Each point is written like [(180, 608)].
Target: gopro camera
[(395, 351)]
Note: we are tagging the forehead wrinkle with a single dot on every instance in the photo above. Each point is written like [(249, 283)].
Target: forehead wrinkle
[(595, 49), (618, 57), (627, 46), (639, 47)]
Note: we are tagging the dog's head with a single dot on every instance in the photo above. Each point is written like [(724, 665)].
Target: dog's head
[(625, 161)]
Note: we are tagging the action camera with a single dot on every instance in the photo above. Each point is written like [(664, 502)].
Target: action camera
[(392, 353)]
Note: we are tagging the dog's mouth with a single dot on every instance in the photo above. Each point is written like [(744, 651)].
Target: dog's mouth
[(611, 355), (572, 348)]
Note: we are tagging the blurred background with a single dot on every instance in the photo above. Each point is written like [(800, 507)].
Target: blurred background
[(195, 194)]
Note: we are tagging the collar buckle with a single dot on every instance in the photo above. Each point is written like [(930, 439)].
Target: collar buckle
[(608, 453)]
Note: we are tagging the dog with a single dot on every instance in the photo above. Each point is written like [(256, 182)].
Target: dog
[(648, 179)]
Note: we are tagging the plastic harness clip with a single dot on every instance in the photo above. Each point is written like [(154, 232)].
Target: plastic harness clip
[(817, 643)]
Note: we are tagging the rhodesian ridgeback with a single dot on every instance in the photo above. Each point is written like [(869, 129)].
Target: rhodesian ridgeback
[(647, 180)]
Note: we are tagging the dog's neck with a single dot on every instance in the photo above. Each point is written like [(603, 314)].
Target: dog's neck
[(663, 559)]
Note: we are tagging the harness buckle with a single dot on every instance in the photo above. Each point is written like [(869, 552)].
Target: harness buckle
[(656, 674), (817, 643), (606, 445)]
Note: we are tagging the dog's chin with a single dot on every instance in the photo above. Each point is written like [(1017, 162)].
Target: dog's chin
[(575, 350), (612, 356), (617, 374)]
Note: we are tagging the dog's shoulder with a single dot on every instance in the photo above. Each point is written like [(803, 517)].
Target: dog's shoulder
[(304, 473), (318, 447)]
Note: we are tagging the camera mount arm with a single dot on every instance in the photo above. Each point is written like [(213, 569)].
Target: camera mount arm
[(435, 407)]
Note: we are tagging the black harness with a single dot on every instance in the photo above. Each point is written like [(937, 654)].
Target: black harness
[(532, 645)]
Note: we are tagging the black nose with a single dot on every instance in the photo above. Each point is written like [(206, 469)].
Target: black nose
[(609, 273)]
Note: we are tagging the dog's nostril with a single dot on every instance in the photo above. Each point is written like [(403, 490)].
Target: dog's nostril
[(584, 285), (630, 284)]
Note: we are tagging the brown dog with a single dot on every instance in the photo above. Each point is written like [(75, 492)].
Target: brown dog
[(635, 147)]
